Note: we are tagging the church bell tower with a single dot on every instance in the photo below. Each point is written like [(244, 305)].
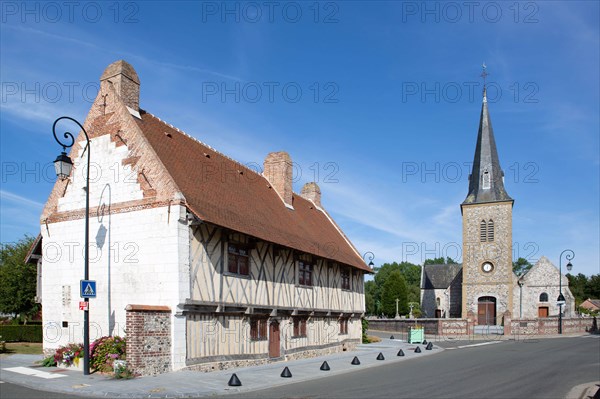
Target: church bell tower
[(487, 232)]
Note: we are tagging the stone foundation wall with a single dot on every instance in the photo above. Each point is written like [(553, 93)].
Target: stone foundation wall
[(148, 339), (303, 354)]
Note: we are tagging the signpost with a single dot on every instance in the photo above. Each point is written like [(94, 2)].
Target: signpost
[(87, 288)]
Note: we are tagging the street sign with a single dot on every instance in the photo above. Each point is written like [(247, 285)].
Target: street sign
[(84, 305), (88, 288), (558, 303)]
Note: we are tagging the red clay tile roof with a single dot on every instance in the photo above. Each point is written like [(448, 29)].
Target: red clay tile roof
[(224, 192)]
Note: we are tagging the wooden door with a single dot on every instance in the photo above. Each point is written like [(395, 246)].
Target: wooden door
[(438, 313), (486, 311), (274, 338), (543, 311)]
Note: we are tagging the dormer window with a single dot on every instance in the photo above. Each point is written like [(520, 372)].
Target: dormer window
[(486, 179)]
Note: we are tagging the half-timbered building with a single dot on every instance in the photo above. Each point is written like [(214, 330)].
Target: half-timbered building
[(245, 269)]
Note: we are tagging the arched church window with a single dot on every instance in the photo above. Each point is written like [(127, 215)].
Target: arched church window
[(437, 301), (482, 231), (485, 183), (490, 230), (543, 297)]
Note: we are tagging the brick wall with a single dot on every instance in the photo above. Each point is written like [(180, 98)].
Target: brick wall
[(148, 339), (549, 326)]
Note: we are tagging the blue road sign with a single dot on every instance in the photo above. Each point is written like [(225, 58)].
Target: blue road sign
[(88, 288)]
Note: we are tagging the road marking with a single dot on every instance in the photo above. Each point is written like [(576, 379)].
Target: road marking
[(474, 345), (34, 373)]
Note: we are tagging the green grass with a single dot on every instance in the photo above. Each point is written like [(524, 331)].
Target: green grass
[(25, 348)]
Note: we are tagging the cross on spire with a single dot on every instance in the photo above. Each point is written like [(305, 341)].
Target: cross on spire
[(484, 74)]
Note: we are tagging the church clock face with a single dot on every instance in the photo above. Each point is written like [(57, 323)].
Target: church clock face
[(487, 267)]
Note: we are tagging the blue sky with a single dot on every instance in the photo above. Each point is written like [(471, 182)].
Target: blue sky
[(378, 102)]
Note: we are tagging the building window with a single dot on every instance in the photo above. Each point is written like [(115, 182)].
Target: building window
[(238, 259), (299, 327), (543, 297), (345, 278), (258, 329), (344, 326), (490, 230), (304, 273), (483, 231)]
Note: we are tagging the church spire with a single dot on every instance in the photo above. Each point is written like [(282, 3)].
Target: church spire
[(486, 182)]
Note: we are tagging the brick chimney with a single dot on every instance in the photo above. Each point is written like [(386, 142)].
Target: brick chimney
[(312, 192), (278, 170), (125, 82)]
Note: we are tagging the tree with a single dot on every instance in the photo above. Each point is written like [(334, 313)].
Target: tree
[(521, 266), (17, 280), (370, 297), (412, 277), (394, 288)]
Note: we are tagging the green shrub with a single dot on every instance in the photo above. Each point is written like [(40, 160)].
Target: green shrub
[(49, 361), (104, 351), (365, 327), (28, 333)]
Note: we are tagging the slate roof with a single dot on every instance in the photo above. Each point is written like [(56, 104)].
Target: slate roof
[(221, 191), (486, 160), (439, 276)]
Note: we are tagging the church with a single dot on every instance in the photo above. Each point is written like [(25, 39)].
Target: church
[(484, 288)]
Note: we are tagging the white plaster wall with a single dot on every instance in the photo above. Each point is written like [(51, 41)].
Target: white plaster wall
[(137, 260), (110, 179)]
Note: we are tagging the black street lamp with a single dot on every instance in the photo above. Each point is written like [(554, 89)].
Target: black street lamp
[(63, 166), (371, 257), (561, 298)]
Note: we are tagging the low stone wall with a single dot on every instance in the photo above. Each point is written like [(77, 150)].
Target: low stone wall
[(457, 328), (347, 345), (148, 339), (431, 325), (549, 326)]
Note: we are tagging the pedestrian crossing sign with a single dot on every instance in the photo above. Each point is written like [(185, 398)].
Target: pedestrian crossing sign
[(88, 288)]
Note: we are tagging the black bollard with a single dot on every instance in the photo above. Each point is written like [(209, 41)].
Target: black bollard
[(286, 373), (234, 381), (429, 346), (424, 342), (392, 337), (380, 356), (325, 366), (355, 361), (417, 350), (400, 353)]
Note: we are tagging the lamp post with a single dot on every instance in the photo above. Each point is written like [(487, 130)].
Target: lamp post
[(561, 298), (63, 166), (371, 257)]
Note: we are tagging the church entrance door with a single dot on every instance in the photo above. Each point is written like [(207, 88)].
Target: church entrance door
[(486, 311), (543, 311)]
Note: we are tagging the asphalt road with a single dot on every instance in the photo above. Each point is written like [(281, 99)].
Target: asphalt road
[(546, 368)]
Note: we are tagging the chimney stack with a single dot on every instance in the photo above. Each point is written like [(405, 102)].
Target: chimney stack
[(312, 192), (125, 82), (278, 170)]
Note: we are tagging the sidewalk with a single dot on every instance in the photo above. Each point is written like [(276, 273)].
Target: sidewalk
[(20, 369)]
